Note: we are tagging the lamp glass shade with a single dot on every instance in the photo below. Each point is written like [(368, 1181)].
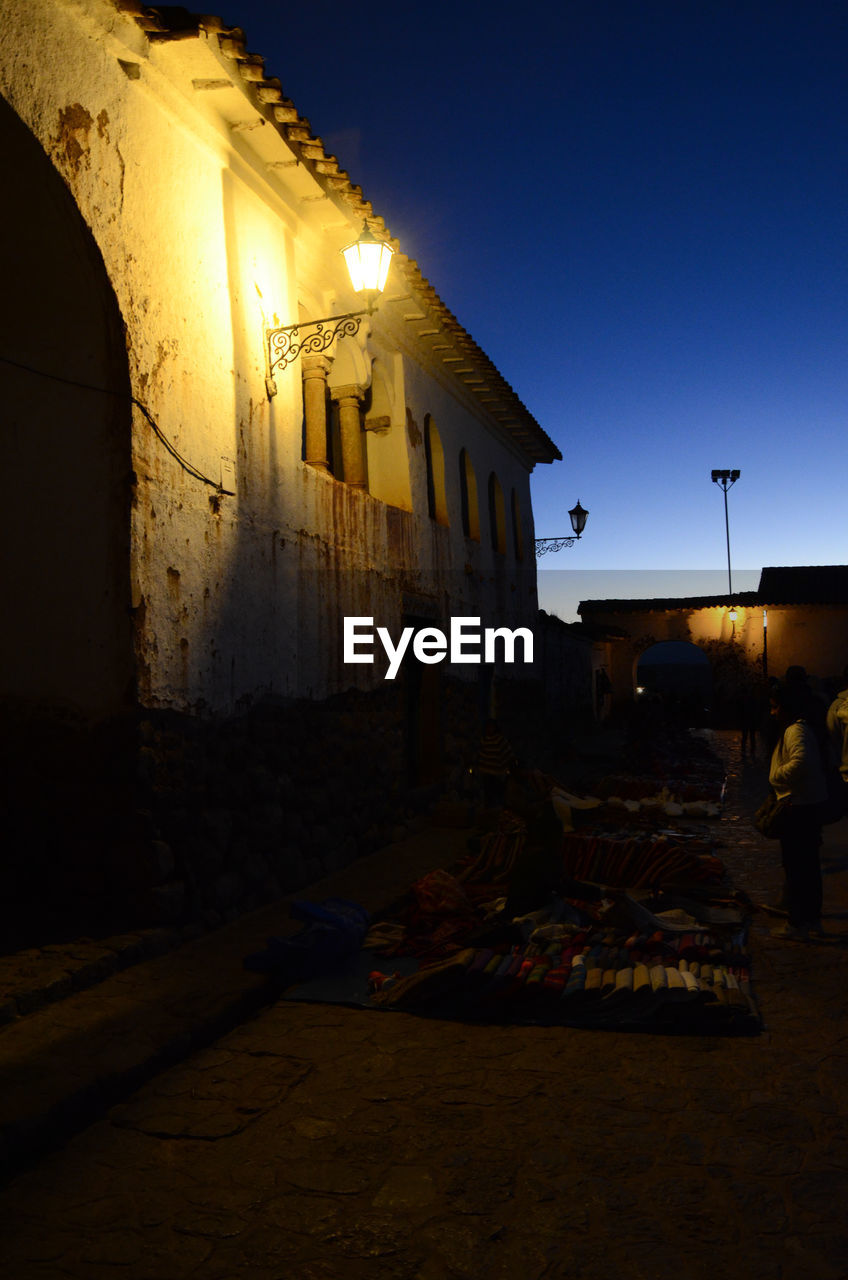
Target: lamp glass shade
[(368, 262), (578, 516)]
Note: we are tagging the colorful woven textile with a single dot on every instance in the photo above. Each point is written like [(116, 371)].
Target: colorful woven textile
[(662, 981)]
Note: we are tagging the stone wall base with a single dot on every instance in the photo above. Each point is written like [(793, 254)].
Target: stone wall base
[(163, 818)]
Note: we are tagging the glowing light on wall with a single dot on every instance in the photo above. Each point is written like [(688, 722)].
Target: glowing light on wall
[(368, 260)]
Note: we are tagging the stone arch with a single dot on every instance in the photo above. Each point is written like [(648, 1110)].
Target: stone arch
[(68, 673), (386, 442), (67, 430), (351, 363)]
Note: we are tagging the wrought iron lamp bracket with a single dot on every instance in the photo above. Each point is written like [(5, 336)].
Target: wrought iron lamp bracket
[(286, 343), (544, 545)]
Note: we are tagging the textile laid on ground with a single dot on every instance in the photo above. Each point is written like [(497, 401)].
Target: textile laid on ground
[(444, 910), (644, 931), (628, 926), (579, 974), (639, 863), (608, 959)]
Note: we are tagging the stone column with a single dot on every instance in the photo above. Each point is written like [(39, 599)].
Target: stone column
[(314, 370), (353, 444)]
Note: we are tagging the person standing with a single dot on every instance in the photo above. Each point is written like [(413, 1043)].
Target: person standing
[(495, 759), (796, 774), (837, 727), (751, 711)]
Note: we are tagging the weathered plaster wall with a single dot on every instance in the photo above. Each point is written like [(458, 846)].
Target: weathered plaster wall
[(812, 636), (209, 234)]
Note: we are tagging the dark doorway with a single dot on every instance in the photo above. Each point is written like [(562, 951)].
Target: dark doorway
[(679, 674), (425, 756)]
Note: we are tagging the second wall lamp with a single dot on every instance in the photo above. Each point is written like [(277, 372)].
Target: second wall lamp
[(577, 515)]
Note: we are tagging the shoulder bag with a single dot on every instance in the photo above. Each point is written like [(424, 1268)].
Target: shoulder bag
[(770, 818)]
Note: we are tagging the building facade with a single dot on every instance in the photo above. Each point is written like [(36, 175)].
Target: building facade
[(189, 519)]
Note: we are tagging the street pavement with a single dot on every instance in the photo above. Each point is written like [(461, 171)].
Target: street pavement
[(316, 1142)]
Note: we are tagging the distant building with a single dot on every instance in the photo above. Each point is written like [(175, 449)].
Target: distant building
[(797, 616), (185, 526)]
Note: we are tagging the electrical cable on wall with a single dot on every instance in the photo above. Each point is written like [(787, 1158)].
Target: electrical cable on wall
[(122, 395)]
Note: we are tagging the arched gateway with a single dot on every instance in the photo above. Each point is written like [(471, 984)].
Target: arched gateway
[(66, 638), (680, 674), (66, 644)]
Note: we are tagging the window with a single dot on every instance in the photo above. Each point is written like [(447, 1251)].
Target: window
[(437, 504), (468, 495), (497, 515), (517, 538)]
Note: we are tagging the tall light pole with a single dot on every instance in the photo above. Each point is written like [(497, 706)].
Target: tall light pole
[(727, 479)]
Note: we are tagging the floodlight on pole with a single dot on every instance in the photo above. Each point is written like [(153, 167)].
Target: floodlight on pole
[(727, 479)]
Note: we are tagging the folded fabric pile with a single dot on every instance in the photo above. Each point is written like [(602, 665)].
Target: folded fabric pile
[(565, 974), (498, 853), (640, 862)]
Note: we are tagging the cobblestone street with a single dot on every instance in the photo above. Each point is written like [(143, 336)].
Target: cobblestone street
[(316, 1142)]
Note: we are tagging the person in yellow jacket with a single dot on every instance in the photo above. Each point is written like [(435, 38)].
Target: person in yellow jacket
[(837, 725)]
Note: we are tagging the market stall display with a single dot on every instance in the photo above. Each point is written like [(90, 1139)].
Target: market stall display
[(572, 911)]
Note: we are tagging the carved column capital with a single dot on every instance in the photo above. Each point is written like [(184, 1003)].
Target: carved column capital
[(350, 392), (315, 367)]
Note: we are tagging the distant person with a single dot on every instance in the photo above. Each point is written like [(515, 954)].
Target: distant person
[(495, 759), (538, 868), (796, 773), (603, 689), (837, 727), (768, 727), (752, 706)]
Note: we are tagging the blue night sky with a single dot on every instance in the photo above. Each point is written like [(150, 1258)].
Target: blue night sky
[(637, 208)]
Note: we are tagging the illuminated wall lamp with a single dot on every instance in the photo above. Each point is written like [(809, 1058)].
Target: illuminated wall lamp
[(368, 260)]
